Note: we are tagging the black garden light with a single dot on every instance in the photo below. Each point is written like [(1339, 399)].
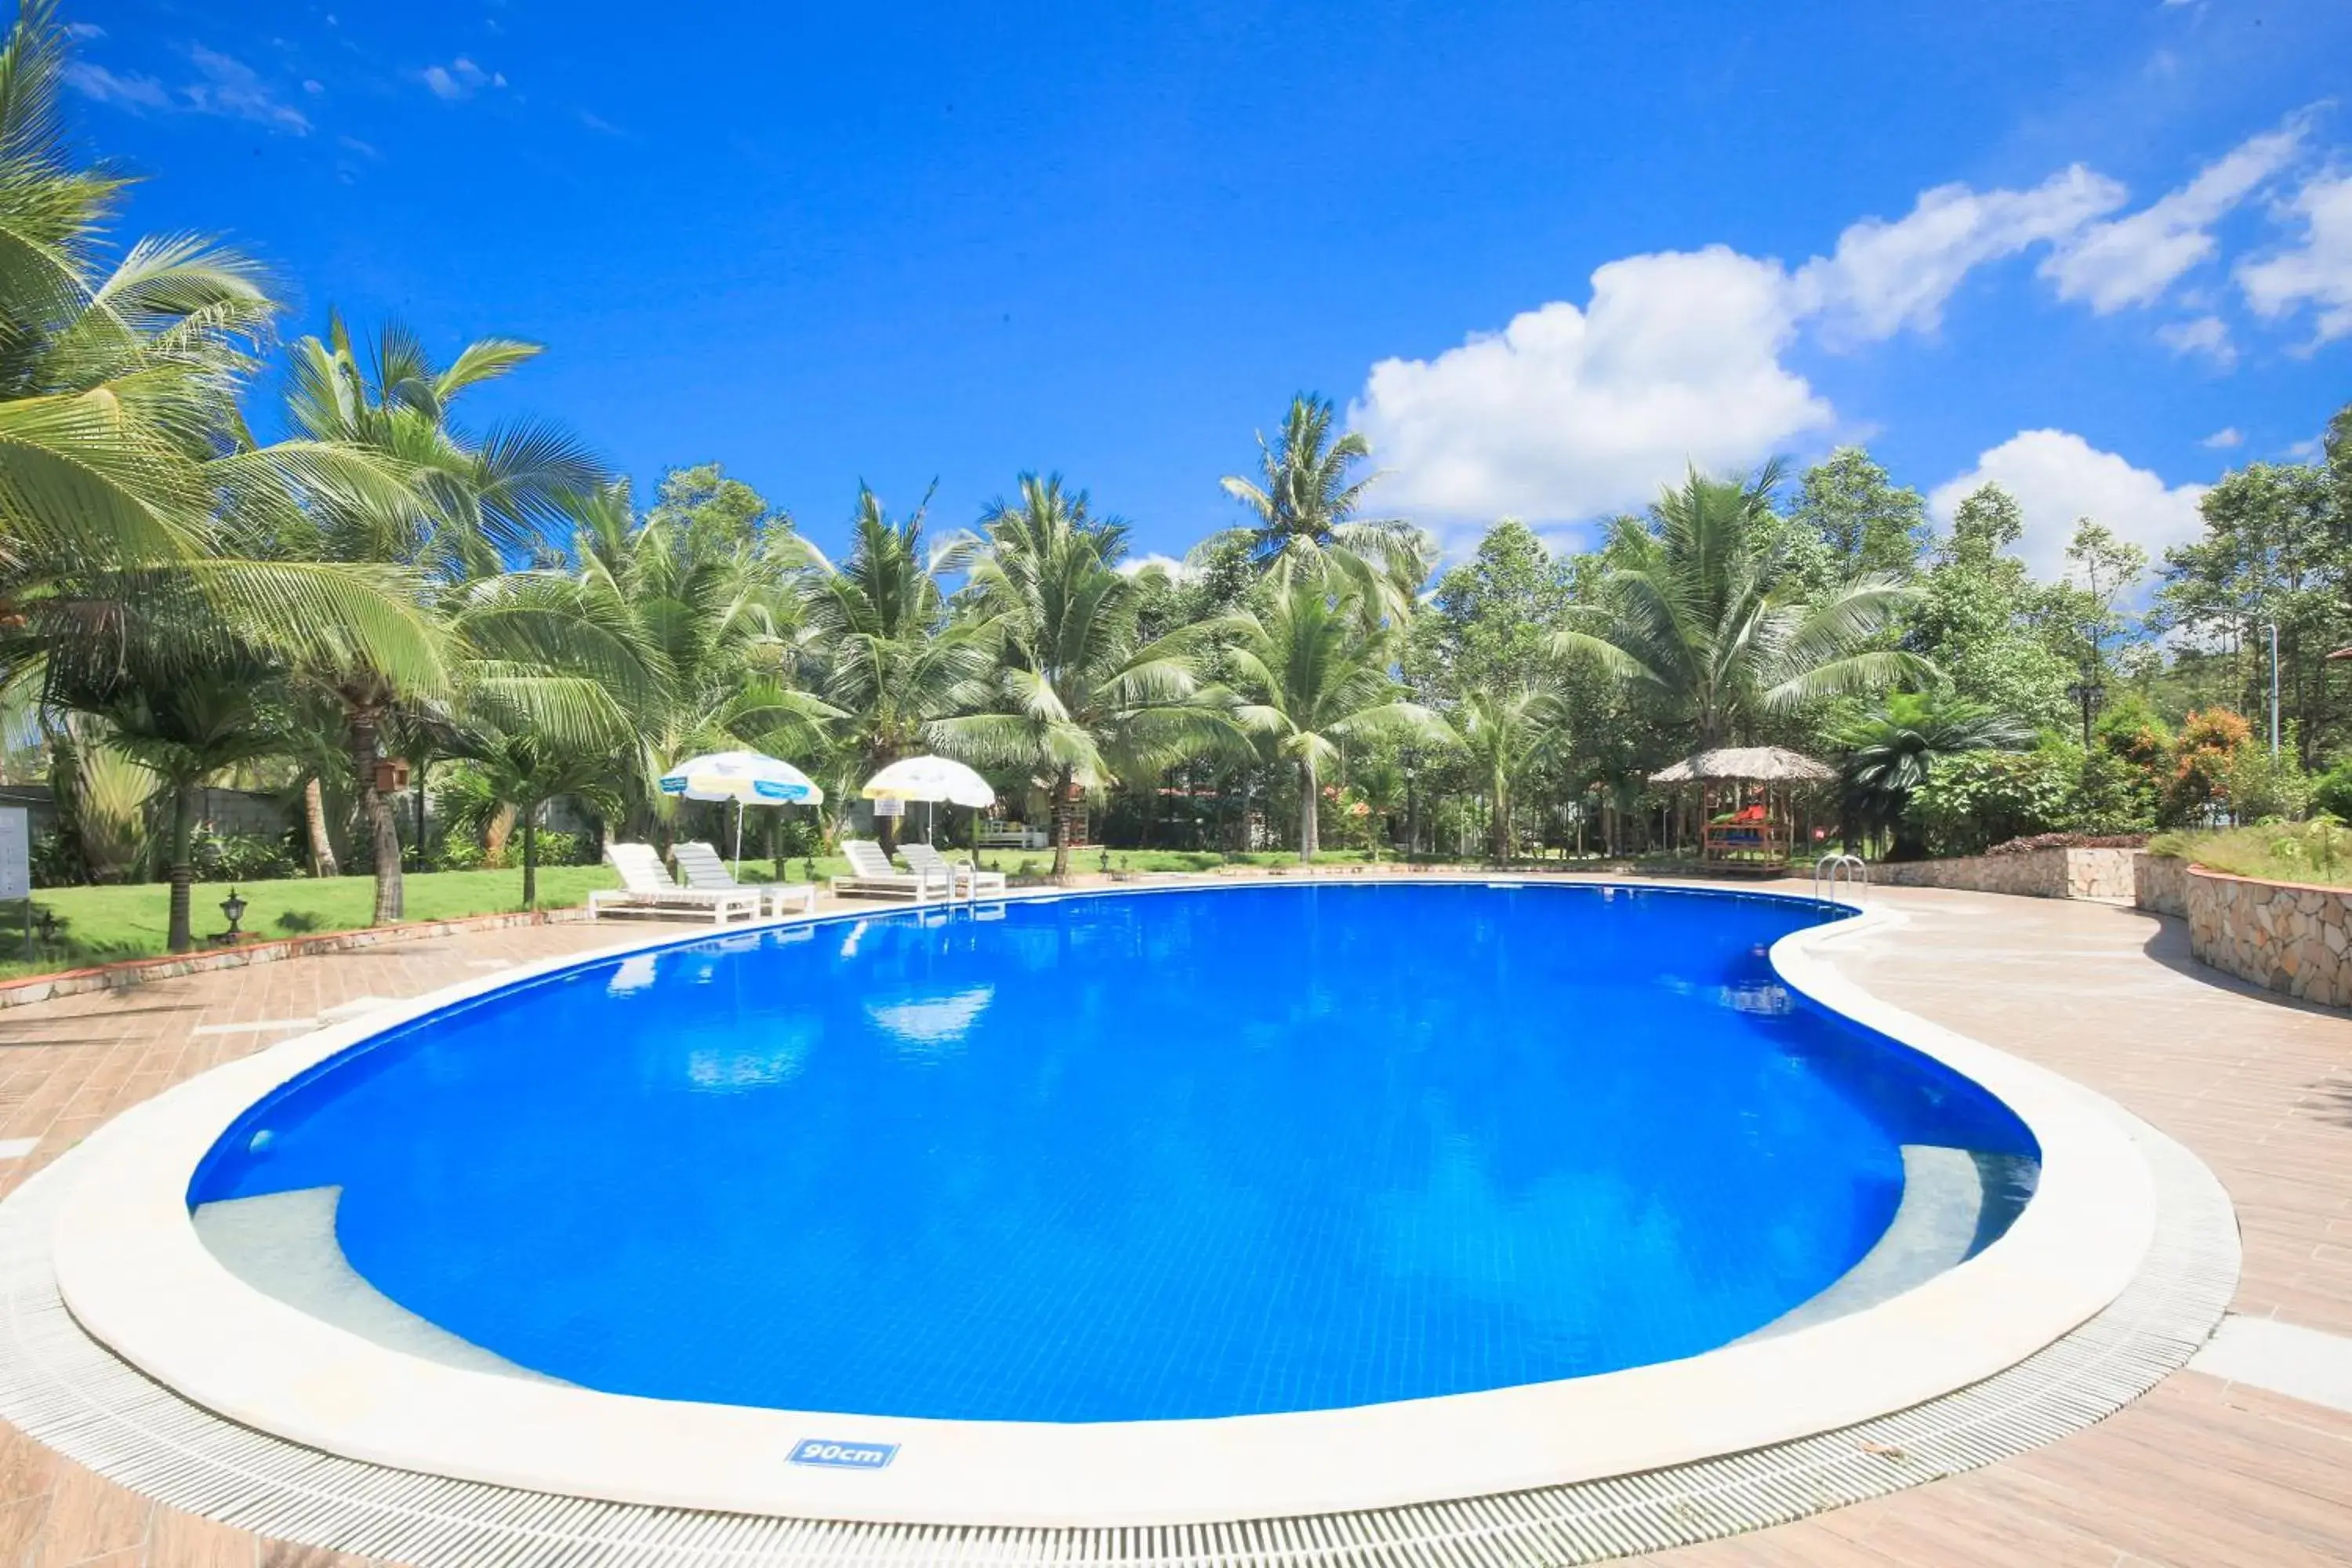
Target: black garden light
[(234, 909)]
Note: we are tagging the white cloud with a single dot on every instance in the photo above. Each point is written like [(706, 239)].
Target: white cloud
[(227, 87), (84, 31), (2132, 260), (132, 91), (1567, 412), (234, 89), (2317, 270), (1177, 570), (1884, 276), (2056, 477), (2221, 440), (460, 79), (2207, 335)]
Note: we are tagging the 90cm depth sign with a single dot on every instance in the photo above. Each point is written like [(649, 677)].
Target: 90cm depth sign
[(833, 1455)]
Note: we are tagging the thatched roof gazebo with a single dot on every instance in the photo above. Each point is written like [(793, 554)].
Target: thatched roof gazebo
[(1757, 837), (1746, 765)]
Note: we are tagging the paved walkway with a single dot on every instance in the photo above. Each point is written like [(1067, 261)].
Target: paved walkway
[(2201, 1473)]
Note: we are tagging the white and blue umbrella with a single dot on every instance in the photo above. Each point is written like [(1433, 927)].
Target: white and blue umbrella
[(747, 778), (931, 780)]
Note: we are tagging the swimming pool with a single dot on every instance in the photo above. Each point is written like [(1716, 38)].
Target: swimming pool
[(1176, 1154)]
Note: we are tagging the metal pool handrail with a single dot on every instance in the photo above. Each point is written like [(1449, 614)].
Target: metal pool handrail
[(1831, 868)]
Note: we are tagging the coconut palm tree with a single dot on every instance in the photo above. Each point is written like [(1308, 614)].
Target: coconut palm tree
[(1890, 753), (894, 660), (522, 769), (473, 505), (1081, 701), (1314, 673), (1507, 735), (1304, 501), (126, 471), (1697, 615), (183, 707), (718, 623)]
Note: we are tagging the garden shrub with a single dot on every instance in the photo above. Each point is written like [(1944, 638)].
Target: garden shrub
[(2202, 755), (2027, 846), (242, 857), (1978, 799)]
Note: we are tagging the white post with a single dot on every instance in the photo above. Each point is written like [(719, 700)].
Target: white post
[(739, 838)]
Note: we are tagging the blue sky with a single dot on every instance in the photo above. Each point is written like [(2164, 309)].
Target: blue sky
[(1544, 254)]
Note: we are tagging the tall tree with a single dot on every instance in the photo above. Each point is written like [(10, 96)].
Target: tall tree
[(1872, 526), (481, 503), (1490, 624), (1697, 616), (2276, 550), (1980, 617), (1507, 734), (1082, 700), (1314, 674), (1305, 503), (895, 661)]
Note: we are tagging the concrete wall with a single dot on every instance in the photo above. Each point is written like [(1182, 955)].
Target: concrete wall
[(2290, 938), (2105, 874)]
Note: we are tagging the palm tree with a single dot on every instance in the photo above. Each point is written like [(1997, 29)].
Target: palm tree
[(472, 505), (1304, 501), (184, 720), (1081, 699), (1697, 615), (1890, 753), (524, 771), (1315, 673), (894, 660), (126, 472), (1506, 734), (717, 623)]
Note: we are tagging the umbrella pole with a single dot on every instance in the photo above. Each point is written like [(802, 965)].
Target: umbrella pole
[(739, 838)]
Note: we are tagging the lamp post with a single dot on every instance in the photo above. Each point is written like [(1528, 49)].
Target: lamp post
[(2087, 692), (234, 908)]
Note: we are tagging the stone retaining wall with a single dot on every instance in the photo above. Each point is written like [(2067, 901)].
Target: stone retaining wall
[(2161, 884), (2284, 935), (2105, 874)]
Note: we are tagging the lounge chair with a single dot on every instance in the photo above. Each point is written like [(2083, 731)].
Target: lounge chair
[(645, 890), (963, 875), (700, 866), (871, 874)]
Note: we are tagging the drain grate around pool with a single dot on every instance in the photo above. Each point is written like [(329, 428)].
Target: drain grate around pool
[(68, 1391)]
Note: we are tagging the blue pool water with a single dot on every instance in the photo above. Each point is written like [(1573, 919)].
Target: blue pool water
[(1106, 1158)]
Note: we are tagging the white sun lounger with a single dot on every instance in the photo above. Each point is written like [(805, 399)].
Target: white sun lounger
[(645, 890), (699, 864), (871, 873), (961, 875)]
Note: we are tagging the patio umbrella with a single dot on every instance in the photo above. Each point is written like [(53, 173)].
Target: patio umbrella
[(744, 777), (931, 780)]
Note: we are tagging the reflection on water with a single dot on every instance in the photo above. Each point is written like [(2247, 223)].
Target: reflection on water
[(937, 1021)]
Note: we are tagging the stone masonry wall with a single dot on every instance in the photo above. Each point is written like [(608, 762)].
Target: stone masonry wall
[(2161, 884), (2042, 874), (2290, 938)]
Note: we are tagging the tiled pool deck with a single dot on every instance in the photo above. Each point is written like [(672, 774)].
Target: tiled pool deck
[(2198, 1472)]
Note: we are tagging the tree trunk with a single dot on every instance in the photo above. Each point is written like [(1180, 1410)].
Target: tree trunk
[(314, 820), (384, 834), (1064, 808), (1499, 830), (184, 869), (500, 828), (530, 857), (421, 840), (1309, 838)]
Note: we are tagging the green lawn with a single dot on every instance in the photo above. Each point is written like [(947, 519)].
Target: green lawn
[(98, 925), (102, 925)]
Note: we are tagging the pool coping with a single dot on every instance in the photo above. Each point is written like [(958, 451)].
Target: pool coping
[(132, 1272)]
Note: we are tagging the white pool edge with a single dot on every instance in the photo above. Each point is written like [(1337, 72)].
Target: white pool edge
[(133, 1273)]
